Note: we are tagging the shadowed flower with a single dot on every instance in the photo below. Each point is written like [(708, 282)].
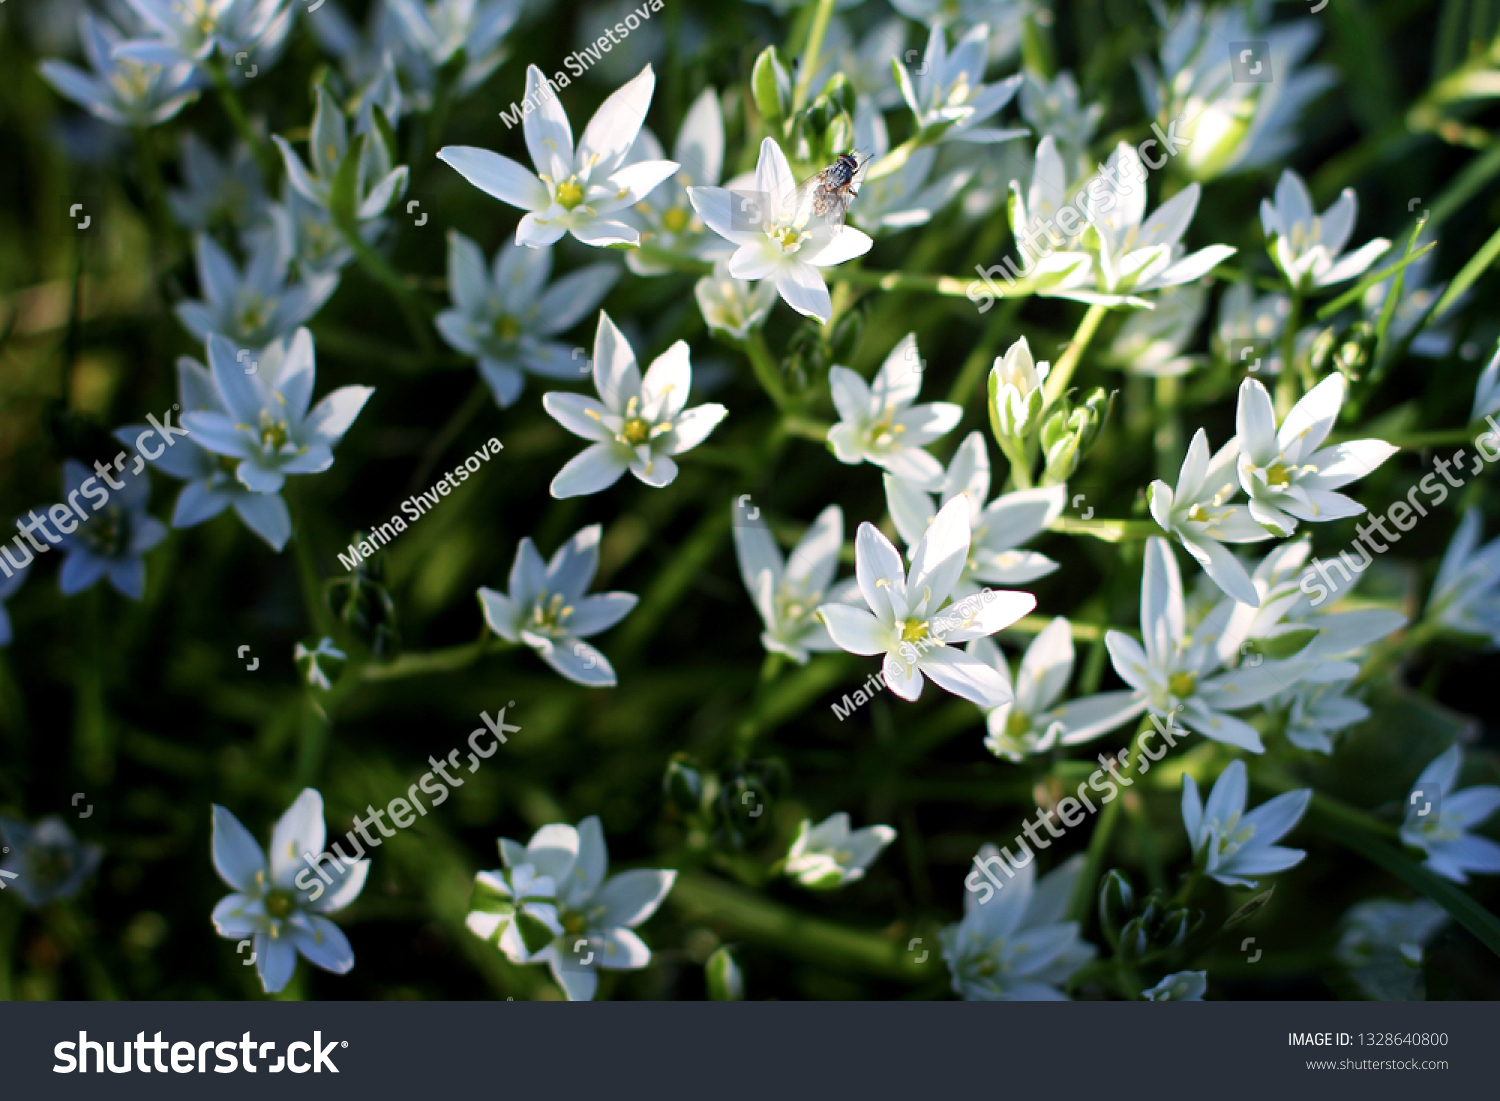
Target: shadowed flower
[(1439, 817), (254, 305), (787, 594), (1230, 845), (547, 608), (272, 904), (830, 855), (120, 91), (48, 862), (506, 316), (113, 539)]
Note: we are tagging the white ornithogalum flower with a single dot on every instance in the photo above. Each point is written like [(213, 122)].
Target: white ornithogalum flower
[(1439, 816), (1233, 846), (596, 918), (1026, 725), (121, 91), (1134, 254), (950, 98), (255, 305), (1384, 943), (1316, 711), (996, 530), (1151, 342), (378, 179), (548, 608), (507, 316), (667, 219), (829, 855), (1286, 472), (779, 237), (640, 423), (573, 190), (281, 903), (735, 307), (1247, 334), (1229, 120), (903, 198), (503, 901), (1466, 594), (787, 594), (1051, 250), (1055, 108), (1198, 514), (1016, 946), (1184, 986), (909, 618), (1309, 247), (878, 422), (1172, 676)]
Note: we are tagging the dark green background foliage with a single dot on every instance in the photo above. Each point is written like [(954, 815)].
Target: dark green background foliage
[(146, 709)]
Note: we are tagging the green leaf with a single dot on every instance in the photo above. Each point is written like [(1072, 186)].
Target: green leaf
[(722, 975), (1476, 267), (1282, 646), (1468, 913), (1354, 293)]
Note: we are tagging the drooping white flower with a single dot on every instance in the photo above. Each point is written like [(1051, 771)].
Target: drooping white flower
[(1173, 676), (997, 529), (573, 190), (1196, 512), (829, 855), (903, 198), (1236, 113), (1384, 943), (878, 422), (282, 903), (549, 608), (596, 918), (1184, 986), (1466, 594), (950, 99), (1015, 945), (787, 594), (1286, 472), (640, 423), (1027, 724), (910, 620), (779, 237), (268, 426), (733, 306), (507, 316), (1231, 845), (1309, 247), (1439, 816), (667, 220)]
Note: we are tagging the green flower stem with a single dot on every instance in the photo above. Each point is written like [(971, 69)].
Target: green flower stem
[(1062, 370), (478, 398), (320, 618), (805, 428), (1416, 441), (676, 261), (1168, 435), (1189, 887), (895, 160), (451, 659), (809, 65), (1286, 384), (1388, 652), (413, 309), (744, 915), (767, 373), (945, 285), (153, 185), (1036, 624), (265, 156), (1083, 893), (1110, 531)]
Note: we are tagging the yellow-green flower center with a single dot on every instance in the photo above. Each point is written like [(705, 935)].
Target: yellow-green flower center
[(507, 327), (636, 431), (279, 904), (105, 531), (1017, 723), (788, 238), (549, 615), (1182, 685), (1278, 475), (569, 193), (273, 435), (573, 923), (675, 220), (914, 630)]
